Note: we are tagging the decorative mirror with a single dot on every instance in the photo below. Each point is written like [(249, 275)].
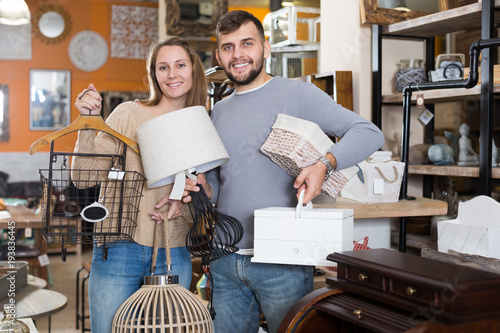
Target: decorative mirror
[(49, 99), (51, 24), (194, 17), (4, 113)]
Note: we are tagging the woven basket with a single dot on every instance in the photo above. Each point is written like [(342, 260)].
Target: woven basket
[(294, 150)]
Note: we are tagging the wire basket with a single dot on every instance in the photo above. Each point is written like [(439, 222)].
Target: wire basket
[(81, 206)]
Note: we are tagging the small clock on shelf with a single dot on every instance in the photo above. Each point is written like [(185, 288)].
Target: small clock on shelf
[(448, 67)]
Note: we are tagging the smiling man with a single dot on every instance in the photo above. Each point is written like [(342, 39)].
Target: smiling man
[(250, 180)]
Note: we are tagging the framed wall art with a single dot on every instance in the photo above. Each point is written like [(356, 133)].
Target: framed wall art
[(49, 99)]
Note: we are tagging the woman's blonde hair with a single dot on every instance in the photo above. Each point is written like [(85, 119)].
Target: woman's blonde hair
[(198, 93)]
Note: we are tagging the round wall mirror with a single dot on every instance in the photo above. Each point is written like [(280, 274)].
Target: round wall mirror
[(51, 24)]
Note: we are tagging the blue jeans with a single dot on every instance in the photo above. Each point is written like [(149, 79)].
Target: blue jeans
[(112, 281), (243, 289)]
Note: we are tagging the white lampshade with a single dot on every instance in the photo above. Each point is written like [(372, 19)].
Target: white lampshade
[(176, 142), (14, 12)]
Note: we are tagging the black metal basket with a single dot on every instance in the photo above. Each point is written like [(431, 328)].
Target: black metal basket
[(85, 206)]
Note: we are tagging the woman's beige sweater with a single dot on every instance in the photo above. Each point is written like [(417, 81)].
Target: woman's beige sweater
[(125, 119)]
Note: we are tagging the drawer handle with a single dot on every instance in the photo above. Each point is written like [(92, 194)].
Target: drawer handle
[(358, 313), (410, 291), (362, 277)]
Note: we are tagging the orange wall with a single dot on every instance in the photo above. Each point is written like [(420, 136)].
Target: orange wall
[(116, 74), (259, 13)]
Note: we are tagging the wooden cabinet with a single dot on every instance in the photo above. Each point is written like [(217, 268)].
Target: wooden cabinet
[(387, 291)]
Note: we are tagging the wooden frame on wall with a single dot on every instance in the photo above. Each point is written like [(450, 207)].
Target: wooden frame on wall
[(4, 115), (178, 27), (371, 13)]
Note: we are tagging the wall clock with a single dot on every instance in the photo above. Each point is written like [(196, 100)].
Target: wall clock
[(88, 50)]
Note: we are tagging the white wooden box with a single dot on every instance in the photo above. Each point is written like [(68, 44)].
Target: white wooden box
[(301, 237), (476, 230)]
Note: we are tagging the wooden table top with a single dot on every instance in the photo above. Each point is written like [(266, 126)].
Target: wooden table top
[(23, 217), (32, 301), (402, 208)]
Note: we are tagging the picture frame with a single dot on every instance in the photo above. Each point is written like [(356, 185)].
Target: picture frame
[(50, 98), (373, 14), (4, 113), (111, 99)]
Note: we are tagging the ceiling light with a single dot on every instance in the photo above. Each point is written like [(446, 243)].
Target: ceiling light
[(287, 3), (14, 12)]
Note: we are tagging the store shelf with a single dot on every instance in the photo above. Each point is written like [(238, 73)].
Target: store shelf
[(468, 17), (439, 95), (449, 170), (414, 241)]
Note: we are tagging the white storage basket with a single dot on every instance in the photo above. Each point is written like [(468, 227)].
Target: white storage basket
[(296, 143)]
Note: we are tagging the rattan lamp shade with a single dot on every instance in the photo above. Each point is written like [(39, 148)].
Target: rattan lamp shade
[(179, 141), (162, 304), (162, 307)]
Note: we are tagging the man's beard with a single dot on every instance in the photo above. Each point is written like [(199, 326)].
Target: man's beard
[(254, 73)]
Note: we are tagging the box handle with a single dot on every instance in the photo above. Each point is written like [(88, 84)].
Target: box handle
[(300, 205)]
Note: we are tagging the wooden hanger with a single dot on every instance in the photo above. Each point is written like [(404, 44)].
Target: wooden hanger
[(81, 123)]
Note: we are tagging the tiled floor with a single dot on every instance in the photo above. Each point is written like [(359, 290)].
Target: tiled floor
[(63, 280)]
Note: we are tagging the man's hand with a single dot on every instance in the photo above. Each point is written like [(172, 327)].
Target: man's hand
[(177, 206), (311, 179), (193, 186)]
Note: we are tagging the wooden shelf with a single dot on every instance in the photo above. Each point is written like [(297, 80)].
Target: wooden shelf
[(439, 95), (414, 241), (465, 17), (449, 170), (362, 210)]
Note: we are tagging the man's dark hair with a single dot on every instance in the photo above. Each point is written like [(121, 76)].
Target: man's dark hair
[(233, 20)]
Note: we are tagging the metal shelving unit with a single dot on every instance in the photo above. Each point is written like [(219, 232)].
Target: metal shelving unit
[(479, 14)]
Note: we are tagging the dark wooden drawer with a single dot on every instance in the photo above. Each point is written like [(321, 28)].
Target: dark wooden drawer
[(364, 277), (367, 314), (436, 290), (415, 292)]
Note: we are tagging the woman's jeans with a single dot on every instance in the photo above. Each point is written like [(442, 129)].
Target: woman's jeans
[(243, 289), (112, 281)]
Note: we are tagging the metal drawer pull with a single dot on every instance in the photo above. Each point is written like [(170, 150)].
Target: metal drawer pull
[(358, 313), (410, 291), (362, 277)]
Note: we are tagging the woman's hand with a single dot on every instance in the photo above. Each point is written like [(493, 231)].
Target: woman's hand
[(89, 101), (175, 209), (157, 216)]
